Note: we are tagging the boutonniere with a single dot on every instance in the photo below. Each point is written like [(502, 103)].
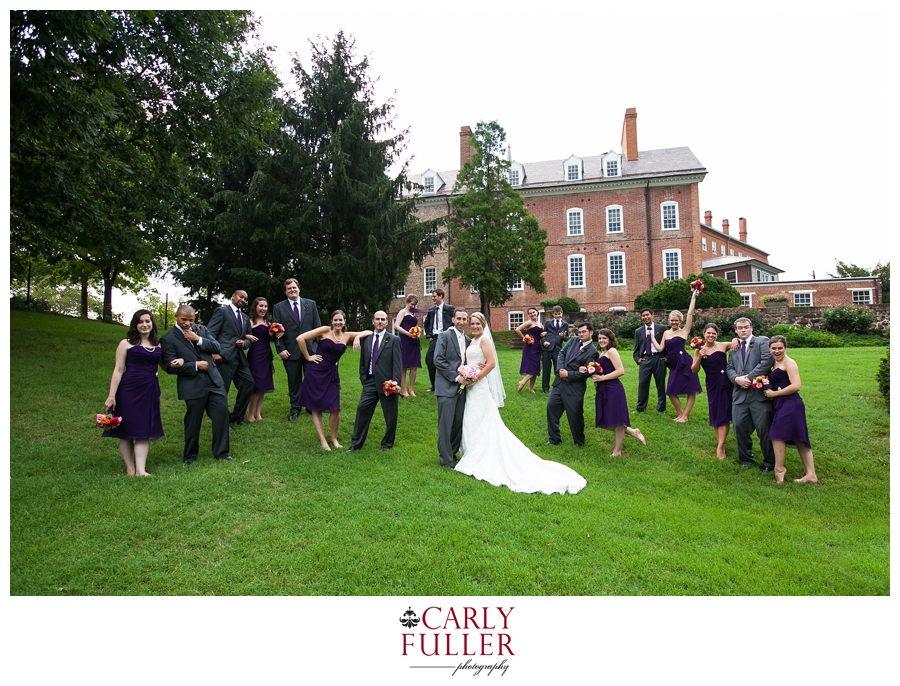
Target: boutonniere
[(751, 345), (305, 304)]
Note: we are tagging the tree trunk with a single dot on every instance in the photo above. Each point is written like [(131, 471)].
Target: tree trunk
[(28, 288), (109, 280), (485, 310), (84, 297)]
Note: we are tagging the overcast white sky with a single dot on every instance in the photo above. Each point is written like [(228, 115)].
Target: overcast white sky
[(786, 106)]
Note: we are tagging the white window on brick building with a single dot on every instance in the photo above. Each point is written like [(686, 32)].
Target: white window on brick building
[(517, 285), (516, 319), (731, 252), (574, 222), (703, 243), (861, 296), (731, 277), (713, 247), (401, 292), (669, 212), (746, 299), (430, 279), (615, 263), (764, 277), (802, 298), (576, 271), (672, 264), (614, 219)]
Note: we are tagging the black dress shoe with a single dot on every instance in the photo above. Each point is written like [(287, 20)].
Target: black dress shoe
[(230, 428), (190, 460), (352, 449), (551, 443), (239, 422), (765, 468), (747, 465), (448, 466), (224, 457), (294, 414), (384, 450)]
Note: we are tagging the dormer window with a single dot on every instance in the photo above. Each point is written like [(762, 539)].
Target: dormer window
[(431, 181), (516, 174), (573, 169), (612, 164)]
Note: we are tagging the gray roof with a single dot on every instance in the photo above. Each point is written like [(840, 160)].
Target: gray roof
[(650, 163)]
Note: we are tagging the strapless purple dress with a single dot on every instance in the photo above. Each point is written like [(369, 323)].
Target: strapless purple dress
[(321, 390), (259, 358), (718, 388), (137, 399), (610, 403), (682, 381), (410, 348), (789, 418), (531, 354)]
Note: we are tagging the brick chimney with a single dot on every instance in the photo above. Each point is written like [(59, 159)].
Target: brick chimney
[(725, 226), (742, 229), (465, 149), (629, 135), (707, 218)]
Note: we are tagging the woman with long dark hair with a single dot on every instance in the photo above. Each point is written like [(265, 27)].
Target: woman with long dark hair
[(134, 392), (259, 358)]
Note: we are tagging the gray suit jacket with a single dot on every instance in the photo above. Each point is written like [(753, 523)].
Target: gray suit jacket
[(571, 358), (387, 366), (640, 340), (192, 383), (554, 339), (224, 328), (758, 363), (446, 361), (309, 319)]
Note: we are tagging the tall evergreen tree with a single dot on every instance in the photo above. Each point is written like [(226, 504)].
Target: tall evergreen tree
[(493, 240), (360, 230)]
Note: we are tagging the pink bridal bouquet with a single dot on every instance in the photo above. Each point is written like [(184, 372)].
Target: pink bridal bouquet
[(107, 421), (760, 382), (466, 372), (390, 387)]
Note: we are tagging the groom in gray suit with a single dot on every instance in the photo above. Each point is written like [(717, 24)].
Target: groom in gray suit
[(449, 353), (750, 409)]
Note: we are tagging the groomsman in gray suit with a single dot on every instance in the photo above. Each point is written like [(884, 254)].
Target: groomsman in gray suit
[(379, 361), (231, 329), (569, 387), (449, 353), (187, 351), (297, 315), (751, 410)]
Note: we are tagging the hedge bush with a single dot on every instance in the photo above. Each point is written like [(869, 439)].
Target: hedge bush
[(568, 305), (725, 320), (848, 319), (801, 337), (863, 340), (883, 377)]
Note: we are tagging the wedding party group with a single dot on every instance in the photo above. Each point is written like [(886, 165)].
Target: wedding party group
[(462, 363)]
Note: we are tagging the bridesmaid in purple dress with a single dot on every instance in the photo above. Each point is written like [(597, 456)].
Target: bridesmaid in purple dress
[(611, 404), (682, 381), (259, 358), (321, 390), (134, 393), (531, 353), (789, 419), (712, 356), (410, 348)]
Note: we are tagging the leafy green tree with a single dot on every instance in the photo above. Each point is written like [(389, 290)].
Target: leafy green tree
[(492, 239), (113, 114), (883, 272), (845, 270), (675, 294)]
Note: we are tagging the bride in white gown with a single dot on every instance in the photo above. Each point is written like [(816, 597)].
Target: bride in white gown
[(489, 451)]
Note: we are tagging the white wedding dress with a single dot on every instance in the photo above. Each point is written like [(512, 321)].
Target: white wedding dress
[(490, 452)]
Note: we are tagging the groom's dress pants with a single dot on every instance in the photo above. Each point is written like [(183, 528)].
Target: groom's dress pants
[(450, 422)]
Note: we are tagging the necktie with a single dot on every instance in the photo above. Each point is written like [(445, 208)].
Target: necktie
[(296, 314), (237, 313), (649, 347), (374, 352), (744, 352), (462, 346)]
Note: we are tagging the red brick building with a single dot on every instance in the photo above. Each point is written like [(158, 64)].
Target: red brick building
[(616, 224)]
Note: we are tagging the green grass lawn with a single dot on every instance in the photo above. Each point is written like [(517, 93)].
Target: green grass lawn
[(287, 518)]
